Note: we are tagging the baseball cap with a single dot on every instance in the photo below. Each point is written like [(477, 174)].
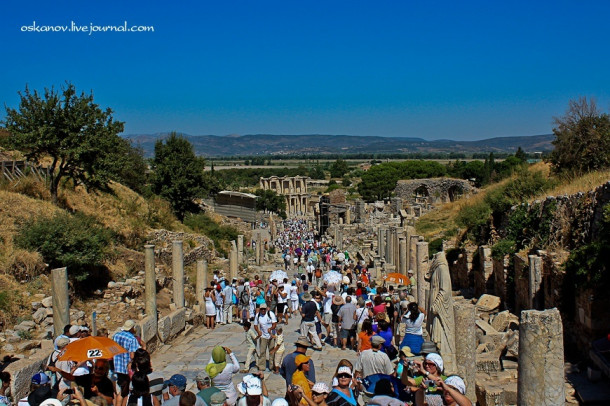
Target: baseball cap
[(254, 387), (344, 370), (406, 351), (280, 402), (377, 340), (302, 341), (178, 381), (73, 330), (40, 379), (62, 342), (218, 398), (263, 306), (320, 387)]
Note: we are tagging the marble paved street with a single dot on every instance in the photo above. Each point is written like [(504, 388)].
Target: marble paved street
[(189, 354)]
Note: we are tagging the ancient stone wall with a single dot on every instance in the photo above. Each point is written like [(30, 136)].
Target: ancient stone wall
[(435, 190)]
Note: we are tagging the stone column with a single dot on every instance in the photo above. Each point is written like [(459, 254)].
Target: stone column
[(348, 216), (403, 255), (535, 280), (257, 251), (261, 248), (202, 282), (178, 270), (240, 249), (150, 281), (380, 243), (396, 244), (61, 299), (422, 270), (413, 240), (340, 238), (233, 264), (389, 259), (466, 346), (540, 371)]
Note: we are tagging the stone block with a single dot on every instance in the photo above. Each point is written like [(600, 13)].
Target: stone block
[(22, 371), (147, 328), (36, 306), (178, 321), (489, 362), (28, 345), (39, 315), (164, 328), (486, 327), (47, 301), (488, 303), (489, 395)]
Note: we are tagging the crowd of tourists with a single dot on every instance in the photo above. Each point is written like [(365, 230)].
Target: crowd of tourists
[(379, 327)]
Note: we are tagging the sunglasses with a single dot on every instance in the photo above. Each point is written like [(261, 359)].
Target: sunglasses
[(317, 394), (344, 376), (431, 364)]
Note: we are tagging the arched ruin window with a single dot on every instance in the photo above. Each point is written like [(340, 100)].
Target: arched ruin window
[(455, 192), (421, 194)]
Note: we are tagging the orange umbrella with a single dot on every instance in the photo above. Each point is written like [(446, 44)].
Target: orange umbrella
[(398, 279), (91, 348)]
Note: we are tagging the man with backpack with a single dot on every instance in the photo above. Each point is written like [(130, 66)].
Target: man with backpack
[(264, 323)]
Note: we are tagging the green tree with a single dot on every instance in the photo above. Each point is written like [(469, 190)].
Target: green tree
[(317, 172), (128, 166), (270, 201), (582, 138), (78, 136), (178, 174), (338, 168), (521, 155)]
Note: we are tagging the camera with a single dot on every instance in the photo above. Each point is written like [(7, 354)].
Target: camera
[(69, 392), (430, 383), (293, 387)]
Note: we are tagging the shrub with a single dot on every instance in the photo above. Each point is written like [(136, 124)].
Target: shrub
[(502, 248), (435, 246), (75, 241), (202, 223)]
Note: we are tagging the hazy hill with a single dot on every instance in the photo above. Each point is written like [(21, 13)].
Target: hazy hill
[(267, 144)]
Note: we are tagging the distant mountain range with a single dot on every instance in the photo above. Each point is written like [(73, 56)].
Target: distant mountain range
[(319, 144)]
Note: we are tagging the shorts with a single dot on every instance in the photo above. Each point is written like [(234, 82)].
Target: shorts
[(327, 318), (281, 307), (347, 333), (318, 327)]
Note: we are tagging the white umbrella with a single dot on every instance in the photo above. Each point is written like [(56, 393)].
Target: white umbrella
[(278, 275), (333, 278)]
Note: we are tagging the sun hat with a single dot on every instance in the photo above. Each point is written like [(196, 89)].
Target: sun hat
[(73, 330), (202, 377), (388, 299), (337, 300), (321, 387), (218, 398), (437, 359), (406, 350), (302, 341), (410, 271), (280, 402), (263, 306), (128, 325), (344, 370), (427, 347), (345, 280), (301, 359), (377, 340), (307, 296), (178, 381), (404, 304), (62, 342), (456, 382), (51, 402), (243, 385), (40, 379)]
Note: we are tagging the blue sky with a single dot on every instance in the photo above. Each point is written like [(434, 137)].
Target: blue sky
[(430, 69)]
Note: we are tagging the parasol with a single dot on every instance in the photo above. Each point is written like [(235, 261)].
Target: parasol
[(91, 348), (398, 279), (278, 275), (332, 278)]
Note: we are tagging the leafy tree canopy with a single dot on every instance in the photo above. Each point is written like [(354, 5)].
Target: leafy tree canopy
[(582, 142), (338, 168), (80, 138), (270, 201), (178, 174)]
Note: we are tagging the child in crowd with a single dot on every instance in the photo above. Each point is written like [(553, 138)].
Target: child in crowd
[(251, 338), (278, 350)]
